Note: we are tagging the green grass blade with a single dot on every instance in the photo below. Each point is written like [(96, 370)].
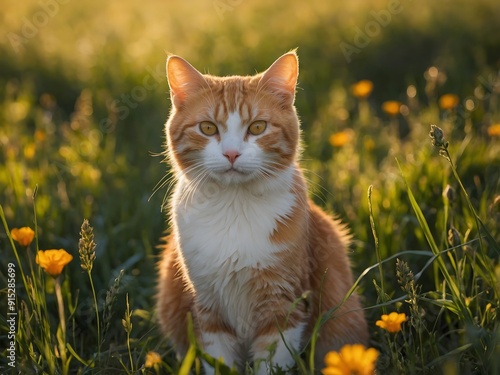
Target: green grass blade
[(377, 248), (451, 353), (457, 298), (13, 245), (77, 357), (188, 361)]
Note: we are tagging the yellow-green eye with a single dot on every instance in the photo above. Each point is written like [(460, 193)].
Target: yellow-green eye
[(257, 127), (208, 128)]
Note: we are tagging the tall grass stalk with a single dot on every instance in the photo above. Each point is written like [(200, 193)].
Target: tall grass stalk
[(450, 282), (86, 249), (127, 325), (382, 295), (61, 332), (13, 246), (439, 141), (98, 323)]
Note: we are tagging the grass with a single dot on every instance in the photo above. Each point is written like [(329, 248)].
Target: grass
[(82, 103)]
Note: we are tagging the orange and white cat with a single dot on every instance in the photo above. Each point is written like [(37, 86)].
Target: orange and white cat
[(246, 242)]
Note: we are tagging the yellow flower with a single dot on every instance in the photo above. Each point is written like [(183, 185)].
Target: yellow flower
[(29, 151), (53, 261), (23, 235), (392, 322), (341, 138), (494, 130), (391, 107), (352, 359), (448, 101), (152, 359), (362, 89)]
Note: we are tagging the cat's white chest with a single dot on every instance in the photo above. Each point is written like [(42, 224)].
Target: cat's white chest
[(231, 226), (225, 233)]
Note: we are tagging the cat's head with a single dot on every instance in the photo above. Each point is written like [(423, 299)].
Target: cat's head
[(233, 129)]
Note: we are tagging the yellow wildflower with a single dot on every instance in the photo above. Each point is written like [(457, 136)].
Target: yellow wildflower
[(448, 101), (29, 151), (392, 322), (23, 235), (391, 107), (352, 359), (152, 359), (341, 138), (494, 130), (362, 89), (53, 261)]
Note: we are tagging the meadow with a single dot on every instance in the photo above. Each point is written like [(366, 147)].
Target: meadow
[(83, 102)]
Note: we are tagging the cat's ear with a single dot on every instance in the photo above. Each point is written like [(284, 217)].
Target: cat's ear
[(183, 79), (281, 77)]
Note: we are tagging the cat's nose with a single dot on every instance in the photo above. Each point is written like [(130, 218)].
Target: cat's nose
[(231, 155)]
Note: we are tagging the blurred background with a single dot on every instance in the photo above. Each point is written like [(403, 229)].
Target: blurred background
[(84, 99)]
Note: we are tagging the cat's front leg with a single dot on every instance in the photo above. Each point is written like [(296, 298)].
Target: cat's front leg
[(266, 357), (221, 346)]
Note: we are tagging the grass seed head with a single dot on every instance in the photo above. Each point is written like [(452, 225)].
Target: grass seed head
[(86, 246), (437, 136), (453, 237)]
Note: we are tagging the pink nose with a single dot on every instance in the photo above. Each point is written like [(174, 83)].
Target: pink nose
[(231, 155)]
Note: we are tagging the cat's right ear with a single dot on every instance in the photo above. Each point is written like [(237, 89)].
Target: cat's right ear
[(183, 79)]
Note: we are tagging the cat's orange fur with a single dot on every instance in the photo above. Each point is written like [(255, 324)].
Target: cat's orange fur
[(306, 250)]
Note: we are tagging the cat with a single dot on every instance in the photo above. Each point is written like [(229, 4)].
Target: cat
[(250, 257)]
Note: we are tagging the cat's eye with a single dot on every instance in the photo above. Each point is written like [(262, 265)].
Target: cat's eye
[(257, 127), (208, 128)]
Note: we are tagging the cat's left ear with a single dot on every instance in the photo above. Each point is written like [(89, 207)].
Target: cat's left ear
[(281, 77), (183, 79)]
